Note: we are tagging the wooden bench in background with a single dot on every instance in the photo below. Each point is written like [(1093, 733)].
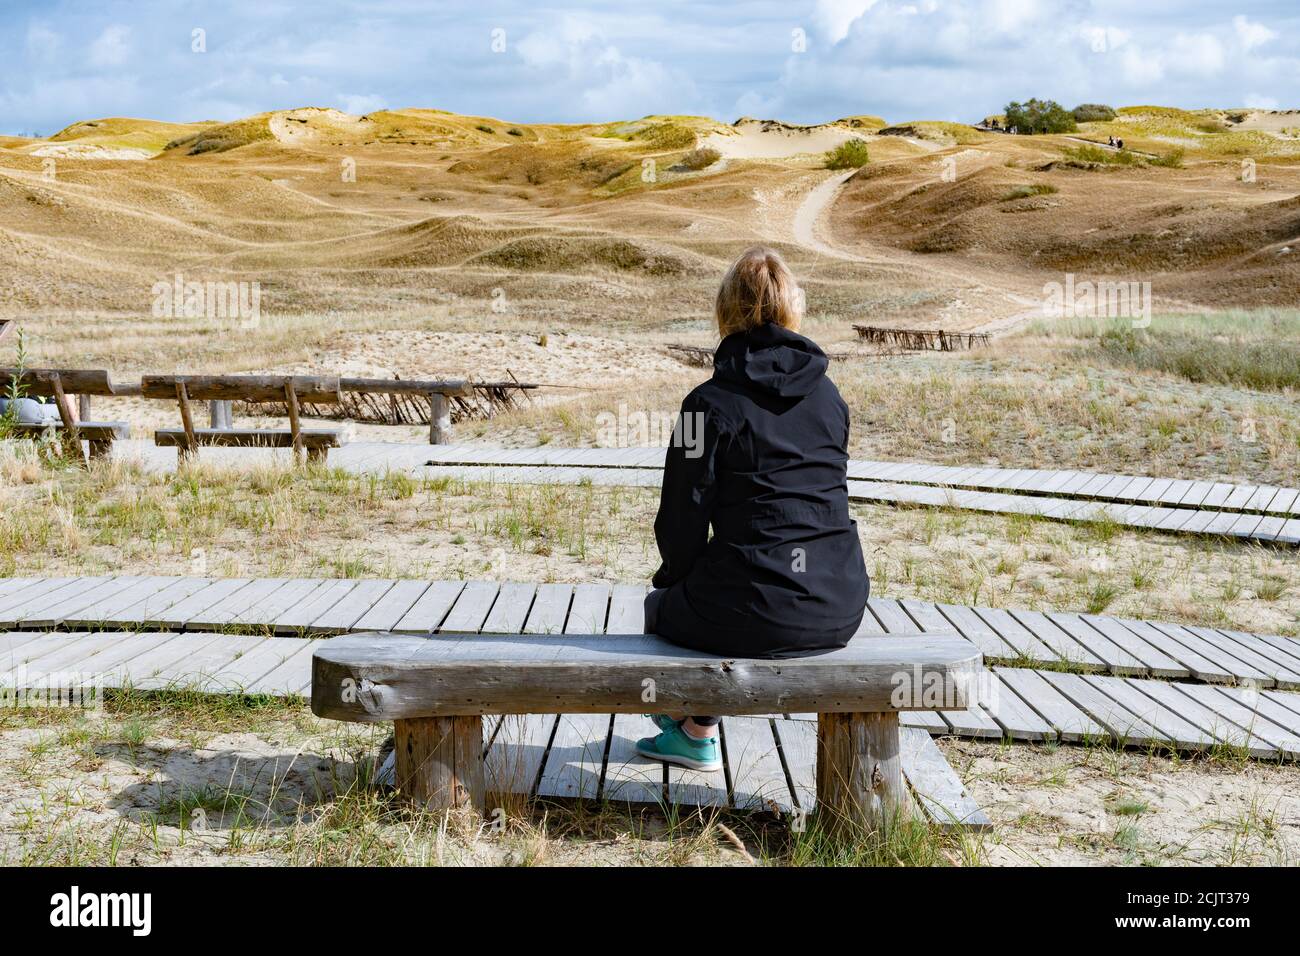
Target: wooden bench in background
[(437, 689), (59, 384), (291, 390)]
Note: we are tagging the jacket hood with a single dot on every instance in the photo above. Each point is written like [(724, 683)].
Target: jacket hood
[(771, 359)]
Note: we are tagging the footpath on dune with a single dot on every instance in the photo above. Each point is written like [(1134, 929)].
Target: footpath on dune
[(810, 231)]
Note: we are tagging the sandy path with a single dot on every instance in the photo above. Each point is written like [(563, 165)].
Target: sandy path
[(808, 229)]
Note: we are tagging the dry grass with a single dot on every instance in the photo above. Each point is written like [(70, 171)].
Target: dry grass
[(276, 522)]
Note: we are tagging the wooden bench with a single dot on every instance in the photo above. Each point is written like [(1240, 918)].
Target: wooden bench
[(436, 691), (59, 384), (292, 390)]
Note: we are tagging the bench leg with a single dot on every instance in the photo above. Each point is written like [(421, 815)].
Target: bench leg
[(317, 456), (439, 761), (100, 449), (859, 774)]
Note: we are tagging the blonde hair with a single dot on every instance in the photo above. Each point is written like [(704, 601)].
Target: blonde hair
[(758, 288)]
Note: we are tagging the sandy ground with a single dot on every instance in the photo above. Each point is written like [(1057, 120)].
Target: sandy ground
[(139, 790), (754, 139)]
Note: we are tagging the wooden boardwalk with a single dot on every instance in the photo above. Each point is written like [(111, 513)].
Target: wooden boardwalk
[(175, 642), (1062, 640), (1262, 513)]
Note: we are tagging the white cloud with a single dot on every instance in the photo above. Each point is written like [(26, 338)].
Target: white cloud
[(112, 47), (1250, 34), (833, 17), (360, 104), (66, 60), (576, 57)]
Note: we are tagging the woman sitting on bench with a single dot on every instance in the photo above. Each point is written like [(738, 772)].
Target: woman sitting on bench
[(760, 452)]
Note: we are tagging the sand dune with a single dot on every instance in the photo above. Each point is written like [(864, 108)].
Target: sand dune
[(597, 224)]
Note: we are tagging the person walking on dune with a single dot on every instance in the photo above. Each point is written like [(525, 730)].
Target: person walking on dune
[(760, 455)]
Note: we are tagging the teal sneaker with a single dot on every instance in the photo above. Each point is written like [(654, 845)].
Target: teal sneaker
[(663, 721), (675, 746)]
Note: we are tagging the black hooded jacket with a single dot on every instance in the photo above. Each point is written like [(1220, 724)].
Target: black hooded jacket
[(760, 452)]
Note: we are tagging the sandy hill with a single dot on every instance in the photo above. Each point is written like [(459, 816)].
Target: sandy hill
[(631, 221)]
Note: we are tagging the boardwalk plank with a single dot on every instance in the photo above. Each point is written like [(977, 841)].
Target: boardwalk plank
[(630, 777), (1157, 662), (575, 763), (428, 611), (141, 589), (758, 775), (1117, 659), (352, 607), (511, 609), (589, 610), (936, 786), (550, 609), (972, 627), (52, 613), (177, 615), (1208, 719), (1072, 723), (471, 608), (626, 610), (1017, 719), (1124, 726), (231, 609), (393, 606), (1178, 730), (517, 757)]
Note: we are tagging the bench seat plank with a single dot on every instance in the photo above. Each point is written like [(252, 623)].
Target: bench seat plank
[(88, 431), (403, 677)]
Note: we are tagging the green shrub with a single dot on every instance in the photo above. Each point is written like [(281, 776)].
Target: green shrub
[(1025, 191), (1095, 154), (483, 128), (850, 154), (1040, 116), (1173, 159), (701, 158), (514, 131)]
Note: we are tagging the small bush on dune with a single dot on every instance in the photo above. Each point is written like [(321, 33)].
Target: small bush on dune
[(1172, 159), (701, 158), (1024, 192), (850, 154), (1106, 157)]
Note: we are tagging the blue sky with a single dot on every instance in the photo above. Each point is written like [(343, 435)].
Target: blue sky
[(799, 61)]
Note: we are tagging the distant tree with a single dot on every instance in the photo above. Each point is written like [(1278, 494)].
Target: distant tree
[(1040, 116), (1092, 113)]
